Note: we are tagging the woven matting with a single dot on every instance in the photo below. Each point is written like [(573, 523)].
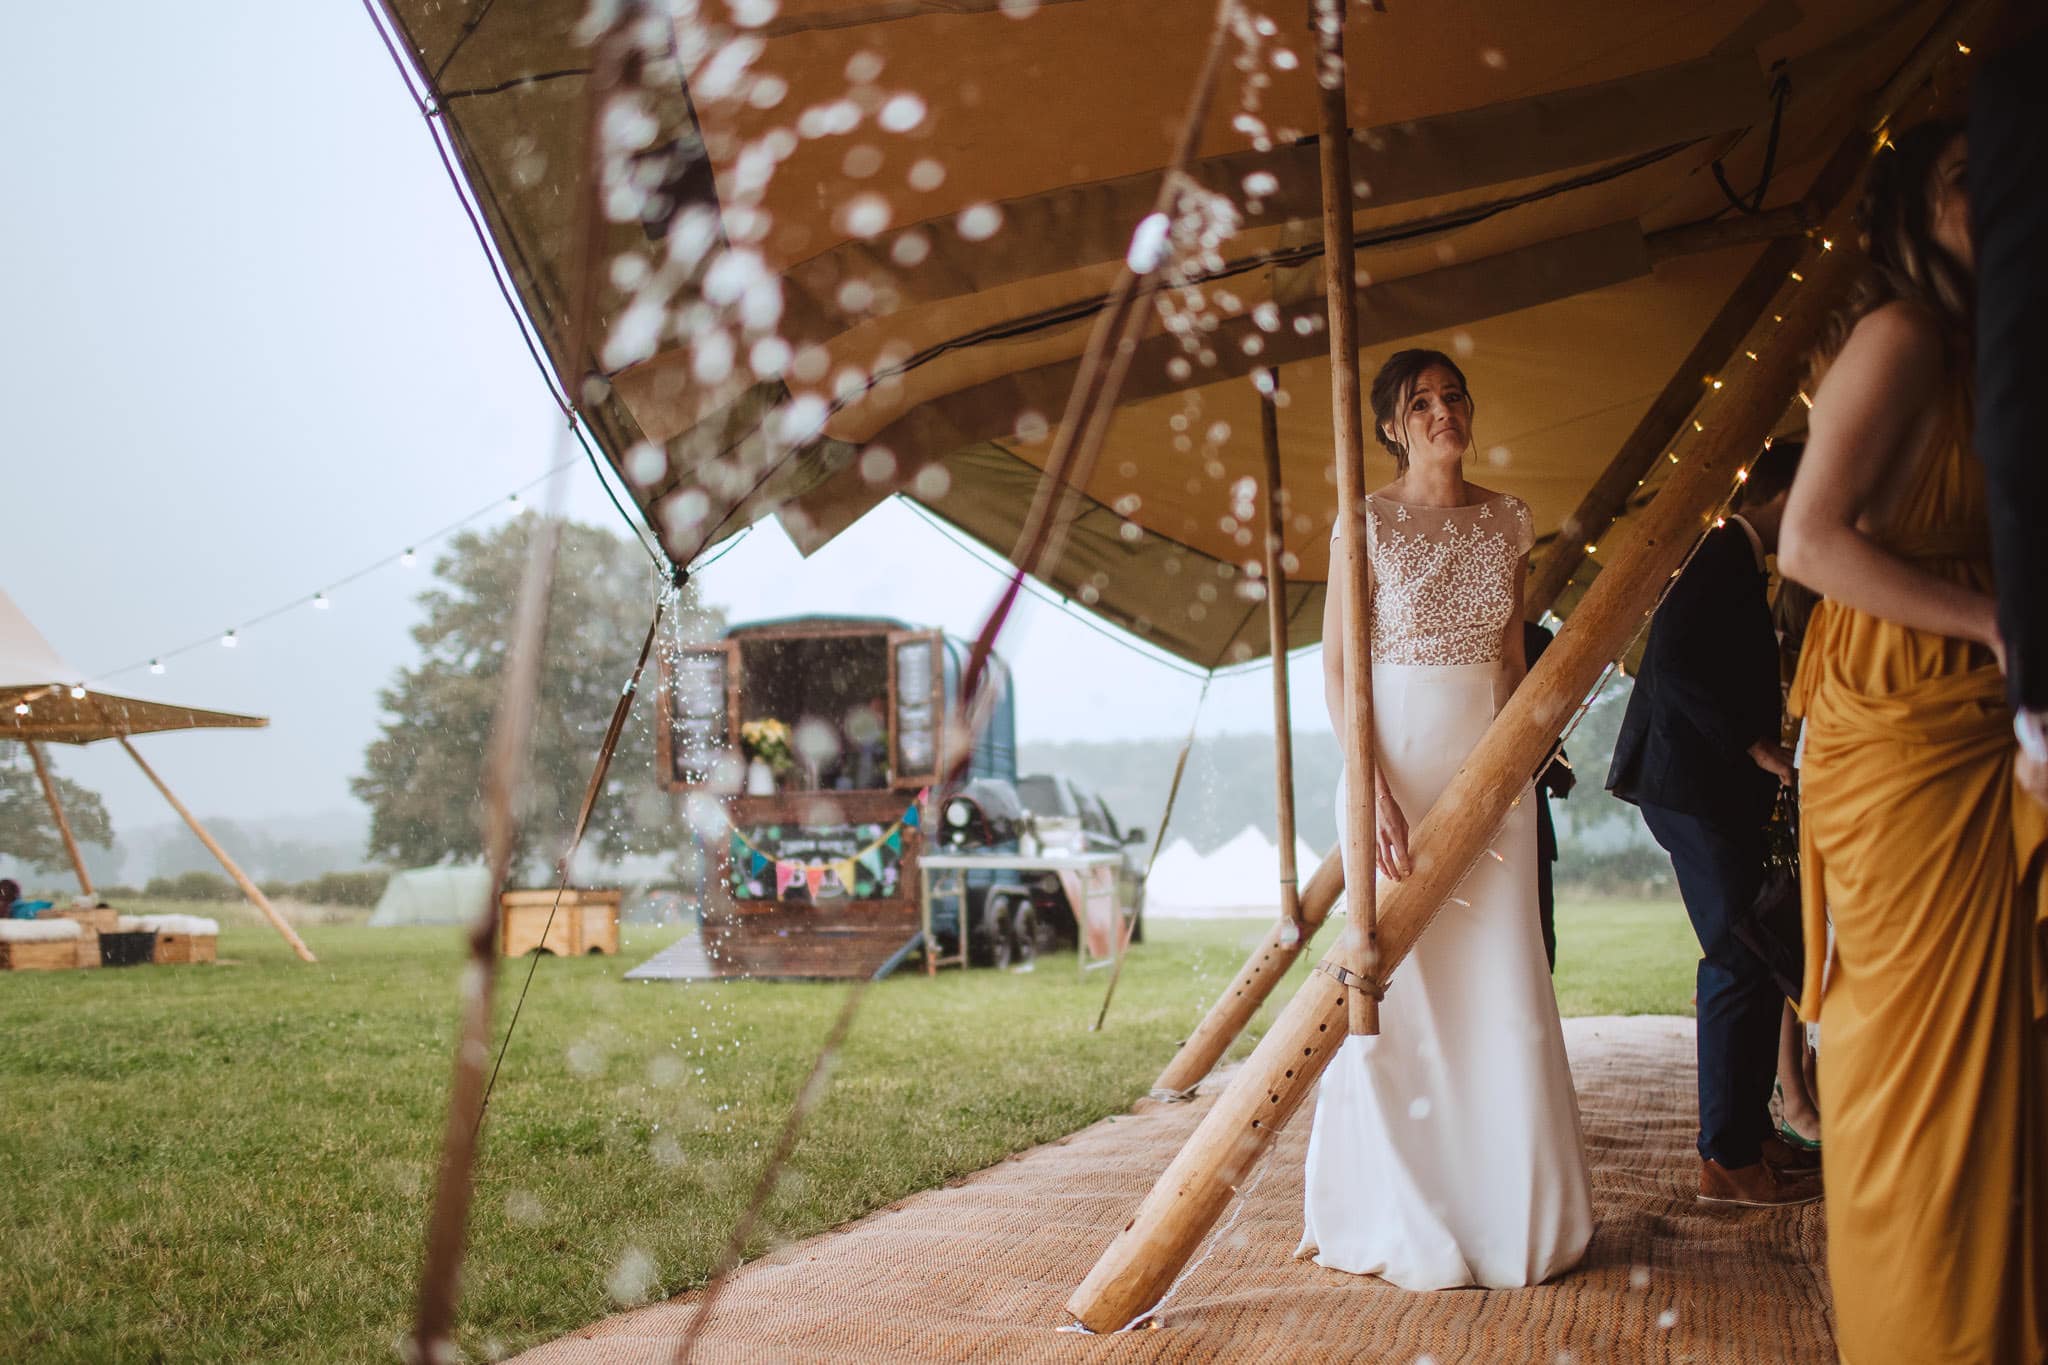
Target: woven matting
[(980, 1271)]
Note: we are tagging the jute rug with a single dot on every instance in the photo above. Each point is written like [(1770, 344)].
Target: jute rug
[(980, 1271)]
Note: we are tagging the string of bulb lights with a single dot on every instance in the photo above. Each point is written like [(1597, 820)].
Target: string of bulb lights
[(322, 598)]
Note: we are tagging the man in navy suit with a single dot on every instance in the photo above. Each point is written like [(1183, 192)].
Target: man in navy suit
[(1699, 754)]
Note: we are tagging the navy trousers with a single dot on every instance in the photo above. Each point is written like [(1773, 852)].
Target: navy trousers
[(1720, 869)]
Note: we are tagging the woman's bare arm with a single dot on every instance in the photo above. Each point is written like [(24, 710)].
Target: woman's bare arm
[(1873, 414)]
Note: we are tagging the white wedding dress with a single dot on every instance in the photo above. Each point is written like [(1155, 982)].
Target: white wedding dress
[(1447, 1151)]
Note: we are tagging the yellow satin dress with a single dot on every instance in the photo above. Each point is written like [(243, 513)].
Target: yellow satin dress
[(1916, 842)]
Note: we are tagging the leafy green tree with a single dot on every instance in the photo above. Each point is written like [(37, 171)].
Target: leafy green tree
[(27, 829), (422, 775)]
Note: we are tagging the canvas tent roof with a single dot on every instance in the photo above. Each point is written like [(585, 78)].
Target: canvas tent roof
[(1535, 184), (33, 676)]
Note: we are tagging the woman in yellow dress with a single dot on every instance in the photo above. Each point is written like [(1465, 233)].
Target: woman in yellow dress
[(1914, 840)]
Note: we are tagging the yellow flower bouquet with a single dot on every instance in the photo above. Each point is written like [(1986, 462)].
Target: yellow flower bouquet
[(769, 741)]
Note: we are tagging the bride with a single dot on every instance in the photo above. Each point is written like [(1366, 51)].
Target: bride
[(1446, 1151)]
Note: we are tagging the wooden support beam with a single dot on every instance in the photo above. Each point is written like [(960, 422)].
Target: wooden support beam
[(1794, 220), (1276, 641), (1361, 931), (1142, 1262), (1608, 498), (35, 752), (241, 878)]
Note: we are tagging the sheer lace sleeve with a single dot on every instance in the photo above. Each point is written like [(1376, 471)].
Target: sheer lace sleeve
[(1525, 530)]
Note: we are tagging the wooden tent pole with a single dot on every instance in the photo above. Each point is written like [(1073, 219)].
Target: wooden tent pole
[(249, 888), (35, 752), (1195, 1189), (1361, 932), (1276, 643)]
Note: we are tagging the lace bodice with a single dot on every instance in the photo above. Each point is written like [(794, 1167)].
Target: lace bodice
[(1443, 578)]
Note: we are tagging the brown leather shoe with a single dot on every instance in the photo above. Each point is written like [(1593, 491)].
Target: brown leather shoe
[(1783, 1157), (1755, 1186)]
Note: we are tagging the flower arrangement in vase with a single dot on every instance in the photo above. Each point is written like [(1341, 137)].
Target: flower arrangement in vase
[(769, 753)]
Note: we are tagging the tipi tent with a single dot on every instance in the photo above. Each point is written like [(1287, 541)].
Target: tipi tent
[(432, 895), (1174, 885), (43, 699)]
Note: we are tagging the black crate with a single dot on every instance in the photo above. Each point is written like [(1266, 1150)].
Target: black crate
[(126, 950)]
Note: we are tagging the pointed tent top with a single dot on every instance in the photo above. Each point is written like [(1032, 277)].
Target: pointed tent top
[(38, 701)]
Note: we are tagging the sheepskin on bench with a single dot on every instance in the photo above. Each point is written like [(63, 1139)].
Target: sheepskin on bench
[(38, 930), (196, 926)]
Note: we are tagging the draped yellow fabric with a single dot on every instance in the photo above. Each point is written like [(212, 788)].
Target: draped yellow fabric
[(1915, 842)]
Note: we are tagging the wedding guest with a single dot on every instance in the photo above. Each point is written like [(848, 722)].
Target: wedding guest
[(1699, 755), (1912, 838), (2008, 193)]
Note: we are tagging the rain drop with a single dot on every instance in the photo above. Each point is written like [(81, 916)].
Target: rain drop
[(865, 215), (901, 113), (979, 222), (910, 249)]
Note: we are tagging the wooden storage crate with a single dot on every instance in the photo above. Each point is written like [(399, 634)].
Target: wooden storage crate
[(171, 948), (100, 919), (585, 922), (88, 948), (41, 955)]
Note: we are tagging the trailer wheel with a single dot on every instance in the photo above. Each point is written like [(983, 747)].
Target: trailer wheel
[(993, 933)]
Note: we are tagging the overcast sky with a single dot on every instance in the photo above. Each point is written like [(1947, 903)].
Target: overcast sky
[(251, 347)]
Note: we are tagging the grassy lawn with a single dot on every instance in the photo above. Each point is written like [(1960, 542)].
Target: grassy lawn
[(233, 1162)]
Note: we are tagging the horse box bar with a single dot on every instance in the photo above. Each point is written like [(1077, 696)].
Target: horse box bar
[(818, 735)]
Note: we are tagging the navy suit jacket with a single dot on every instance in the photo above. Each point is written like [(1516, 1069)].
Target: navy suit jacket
[(1707, 690)]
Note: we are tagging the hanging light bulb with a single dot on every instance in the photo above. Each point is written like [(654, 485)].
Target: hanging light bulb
[(408, 559), (156, 665), (228, 641), (320, 602)]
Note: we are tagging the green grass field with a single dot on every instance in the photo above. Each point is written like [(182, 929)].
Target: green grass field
[(233, 1162)]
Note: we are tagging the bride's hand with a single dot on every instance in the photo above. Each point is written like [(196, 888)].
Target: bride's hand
[(1390, 838)]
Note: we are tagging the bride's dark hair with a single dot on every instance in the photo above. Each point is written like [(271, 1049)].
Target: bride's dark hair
[(1896, 221), (1394, 385)]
